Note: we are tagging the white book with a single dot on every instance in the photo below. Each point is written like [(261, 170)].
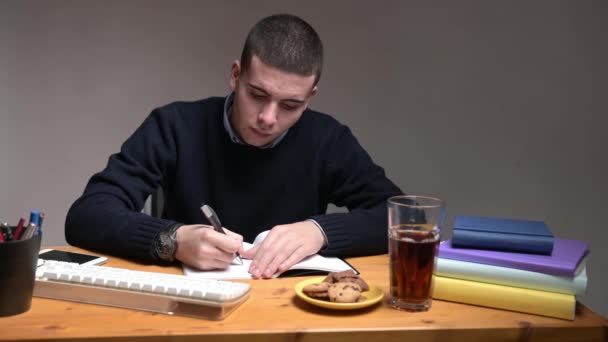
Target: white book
[(314, 264), (576, 285)]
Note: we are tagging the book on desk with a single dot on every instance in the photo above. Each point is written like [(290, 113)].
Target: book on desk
[(522, 236), (312, 265), (544, 303), (473, 271), (509, 288), (564, 261), (542, 284)]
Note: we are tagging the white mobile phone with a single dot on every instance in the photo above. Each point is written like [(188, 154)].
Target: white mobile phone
[(79, 258)]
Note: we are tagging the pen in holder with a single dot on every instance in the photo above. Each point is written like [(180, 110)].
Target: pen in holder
[(17, 274)]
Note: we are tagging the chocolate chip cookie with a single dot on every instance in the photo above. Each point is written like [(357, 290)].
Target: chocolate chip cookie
[(316, 290), (344, 292)]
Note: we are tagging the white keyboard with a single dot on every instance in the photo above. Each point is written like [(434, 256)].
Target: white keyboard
[(149, 291)]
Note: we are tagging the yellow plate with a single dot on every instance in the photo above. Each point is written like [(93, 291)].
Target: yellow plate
[(373, 296)]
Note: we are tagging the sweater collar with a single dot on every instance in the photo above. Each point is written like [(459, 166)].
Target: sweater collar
[(233, 137)]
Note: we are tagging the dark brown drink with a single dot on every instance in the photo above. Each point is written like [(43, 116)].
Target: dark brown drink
[(412, 251)]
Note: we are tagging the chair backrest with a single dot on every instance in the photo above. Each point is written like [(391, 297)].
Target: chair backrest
[(154, 204)]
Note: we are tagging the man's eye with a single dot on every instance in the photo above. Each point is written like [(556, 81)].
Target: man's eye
[(289, 107), (257, 96)]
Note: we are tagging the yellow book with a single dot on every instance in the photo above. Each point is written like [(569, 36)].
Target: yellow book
[(552, 304)]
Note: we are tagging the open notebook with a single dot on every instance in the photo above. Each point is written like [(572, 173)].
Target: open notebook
[(312, 265)]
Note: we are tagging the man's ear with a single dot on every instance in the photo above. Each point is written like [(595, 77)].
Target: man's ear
[(235, 73), (313, 91)]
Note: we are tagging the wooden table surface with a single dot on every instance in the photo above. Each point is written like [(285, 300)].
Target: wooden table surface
[(274, 313)]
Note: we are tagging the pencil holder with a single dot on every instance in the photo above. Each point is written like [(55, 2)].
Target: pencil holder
[(18, 262)]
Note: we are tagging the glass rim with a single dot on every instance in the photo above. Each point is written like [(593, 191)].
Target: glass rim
[(393, 200)]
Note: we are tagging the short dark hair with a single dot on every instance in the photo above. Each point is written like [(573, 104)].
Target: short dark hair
[(285, 42)]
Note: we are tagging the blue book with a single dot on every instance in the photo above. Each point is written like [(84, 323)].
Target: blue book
[(521, 236)]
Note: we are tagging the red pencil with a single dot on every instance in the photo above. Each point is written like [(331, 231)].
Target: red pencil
[(17, 234)]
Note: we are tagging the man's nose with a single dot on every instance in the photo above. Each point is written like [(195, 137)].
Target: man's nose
[(268, 116)]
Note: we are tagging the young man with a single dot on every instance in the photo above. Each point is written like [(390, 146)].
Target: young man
[(259, 157)]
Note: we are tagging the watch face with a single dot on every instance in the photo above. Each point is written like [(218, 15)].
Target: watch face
[(165, 247)]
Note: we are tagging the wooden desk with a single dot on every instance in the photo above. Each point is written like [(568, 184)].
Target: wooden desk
[(273, 313)]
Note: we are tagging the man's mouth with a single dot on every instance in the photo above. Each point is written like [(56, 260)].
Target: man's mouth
[(261, 133)]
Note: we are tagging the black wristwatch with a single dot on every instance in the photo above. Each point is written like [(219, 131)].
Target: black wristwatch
[(165, 243)]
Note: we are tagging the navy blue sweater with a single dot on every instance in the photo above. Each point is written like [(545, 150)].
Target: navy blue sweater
[(184, 148)]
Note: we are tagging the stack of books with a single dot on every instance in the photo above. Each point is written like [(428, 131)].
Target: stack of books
[(513, 265)]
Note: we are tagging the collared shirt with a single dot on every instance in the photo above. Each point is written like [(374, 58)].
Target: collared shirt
[(235, 139), (233, 136)]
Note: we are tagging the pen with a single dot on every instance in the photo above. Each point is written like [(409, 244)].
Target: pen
[(35, 217), (7, 232), (40, 220), (215, 222), (19, 229), (29, 231)]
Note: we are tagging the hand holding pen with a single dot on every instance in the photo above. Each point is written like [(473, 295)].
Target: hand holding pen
[(217, 226)]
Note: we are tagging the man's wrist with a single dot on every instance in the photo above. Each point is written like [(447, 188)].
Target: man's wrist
[(325, 242)]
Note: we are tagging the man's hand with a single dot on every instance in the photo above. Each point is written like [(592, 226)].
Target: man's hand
[(202, 247), (284, 246)]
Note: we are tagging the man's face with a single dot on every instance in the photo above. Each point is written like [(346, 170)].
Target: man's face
[(267, 101)]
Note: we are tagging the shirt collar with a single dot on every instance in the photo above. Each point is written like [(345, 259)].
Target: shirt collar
[(233, 137)]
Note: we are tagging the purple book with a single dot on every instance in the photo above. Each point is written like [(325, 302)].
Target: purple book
[(566, 256)]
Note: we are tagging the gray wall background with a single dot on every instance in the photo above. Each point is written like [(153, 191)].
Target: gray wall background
[(494, 106)]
